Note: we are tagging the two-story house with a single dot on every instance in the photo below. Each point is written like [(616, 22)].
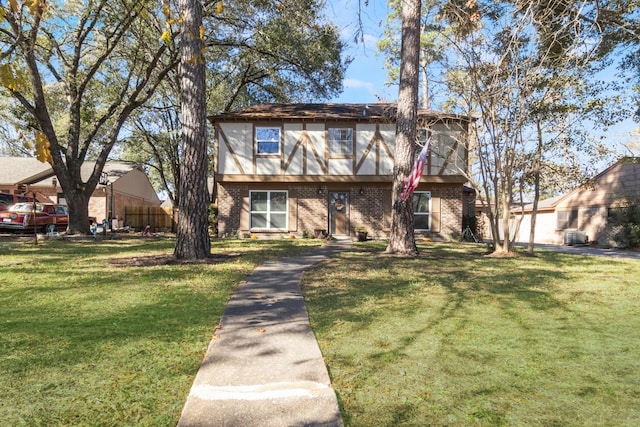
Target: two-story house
[(288, 169)]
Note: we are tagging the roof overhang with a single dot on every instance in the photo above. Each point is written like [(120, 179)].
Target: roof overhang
[(37, 177), (325, 179), (379, 112)]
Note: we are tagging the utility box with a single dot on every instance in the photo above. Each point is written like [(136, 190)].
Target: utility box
[(575, 237)]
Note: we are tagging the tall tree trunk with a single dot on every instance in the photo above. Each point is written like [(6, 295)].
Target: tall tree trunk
[(77, 203), (424, 70), (402, 240), (536, 190), (192, 238), (505, 204)]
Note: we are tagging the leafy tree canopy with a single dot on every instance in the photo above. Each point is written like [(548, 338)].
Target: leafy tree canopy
[(257, 52), (76, 71)]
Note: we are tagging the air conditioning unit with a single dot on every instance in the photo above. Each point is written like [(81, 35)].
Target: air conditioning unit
[(575, 237)]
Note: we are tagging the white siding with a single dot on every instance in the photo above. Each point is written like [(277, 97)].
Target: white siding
[(340, 167), (240, 138), (316, 133), (447, 150), (303, 151), (292, 134), (388, 132), (268, 166), (364, 135)]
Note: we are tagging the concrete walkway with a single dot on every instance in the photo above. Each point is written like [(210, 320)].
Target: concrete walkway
[(265, 367)]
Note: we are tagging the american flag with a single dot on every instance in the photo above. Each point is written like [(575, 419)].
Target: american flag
[(412, 181)]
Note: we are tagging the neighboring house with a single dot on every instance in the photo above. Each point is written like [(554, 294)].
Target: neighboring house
[(14, 170), (126, 186), (289, 169), (581, 215)]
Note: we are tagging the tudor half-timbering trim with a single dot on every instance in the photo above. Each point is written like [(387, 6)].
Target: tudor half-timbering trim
[(304, 150), (357, 165)]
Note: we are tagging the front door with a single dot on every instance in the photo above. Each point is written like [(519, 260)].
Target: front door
[(338, 213)]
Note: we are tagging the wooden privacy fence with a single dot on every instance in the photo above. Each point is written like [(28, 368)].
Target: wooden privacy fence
[(159, 218)]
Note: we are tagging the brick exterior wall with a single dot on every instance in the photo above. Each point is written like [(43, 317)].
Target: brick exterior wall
[(451, 208), (367, 210), (312, 208), (229, 205), (371, 209)]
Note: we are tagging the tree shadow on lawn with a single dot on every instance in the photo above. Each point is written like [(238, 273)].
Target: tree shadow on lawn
[(134, 363), (176, 297), (463, 272), (59, 340), (484, 319), (363, 286)]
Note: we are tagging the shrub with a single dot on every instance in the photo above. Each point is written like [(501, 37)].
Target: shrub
[(623, 226), (213, 219)]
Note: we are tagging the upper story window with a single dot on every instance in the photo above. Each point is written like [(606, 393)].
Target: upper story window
[(422, 138), (341, 141), (447, 153), (267, 140)]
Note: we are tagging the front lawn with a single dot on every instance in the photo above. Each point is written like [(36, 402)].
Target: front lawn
[(455, 338), (88, 338), (452, 337)]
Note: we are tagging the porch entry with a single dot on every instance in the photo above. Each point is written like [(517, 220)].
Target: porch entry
[(339, 213)]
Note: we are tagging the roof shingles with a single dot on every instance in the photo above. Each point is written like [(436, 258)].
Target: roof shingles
[(14, 170), (18, 169), (360, 112)]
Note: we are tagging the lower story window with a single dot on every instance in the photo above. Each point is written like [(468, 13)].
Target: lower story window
[(421, 210), (567, 219), (269, 210)]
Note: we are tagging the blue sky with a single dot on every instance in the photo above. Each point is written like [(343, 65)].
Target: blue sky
[(366, 76)]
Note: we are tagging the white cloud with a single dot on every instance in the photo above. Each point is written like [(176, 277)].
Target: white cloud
[(356, 84), (370, 40)]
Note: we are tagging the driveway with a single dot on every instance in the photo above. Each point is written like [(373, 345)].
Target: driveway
[(585, 250)]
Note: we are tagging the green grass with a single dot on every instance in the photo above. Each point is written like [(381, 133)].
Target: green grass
[(449, 338), (84, 342), (455, 338)]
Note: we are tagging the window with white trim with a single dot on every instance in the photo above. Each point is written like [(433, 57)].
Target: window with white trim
[(422, 136), (268, 210), (341, 141), (267, 140), (421, 210)]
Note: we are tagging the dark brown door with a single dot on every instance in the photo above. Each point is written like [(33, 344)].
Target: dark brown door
[(339, 213)]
